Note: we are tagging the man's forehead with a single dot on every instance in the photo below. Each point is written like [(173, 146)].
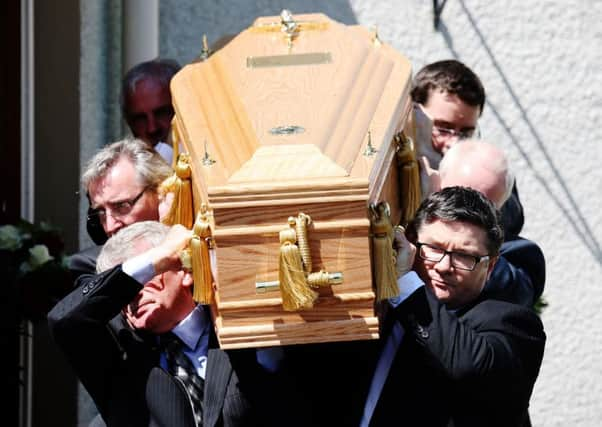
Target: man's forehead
[(458, 233), (121, 175), (450, 107), (148, 88)]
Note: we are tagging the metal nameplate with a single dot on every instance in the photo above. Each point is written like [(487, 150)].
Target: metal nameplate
[(287, 130), (313, 58)]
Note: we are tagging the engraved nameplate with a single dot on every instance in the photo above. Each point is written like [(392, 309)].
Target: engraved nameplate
[(313, 58)]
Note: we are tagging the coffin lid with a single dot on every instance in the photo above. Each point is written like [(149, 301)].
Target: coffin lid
[(229, 108)]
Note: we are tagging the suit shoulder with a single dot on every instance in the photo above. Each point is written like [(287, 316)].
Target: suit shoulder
[(84, 260), (521, 246), (506, 316)]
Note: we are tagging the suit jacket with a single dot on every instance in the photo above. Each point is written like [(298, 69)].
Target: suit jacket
[(519, 275), (476, 366), (120, 368), (512, 216)]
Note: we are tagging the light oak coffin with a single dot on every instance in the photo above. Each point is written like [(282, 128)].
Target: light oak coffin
[(326, 91)]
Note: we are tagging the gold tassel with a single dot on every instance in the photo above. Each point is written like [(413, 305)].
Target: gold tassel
[(303, 241), (383, 256), (409, 178), (295, 292), (180, 185), (201, 263)]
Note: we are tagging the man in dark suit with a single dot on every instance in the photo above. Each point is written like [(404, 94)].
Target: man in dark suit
[(112, 331), (453, 356), (519, 274)]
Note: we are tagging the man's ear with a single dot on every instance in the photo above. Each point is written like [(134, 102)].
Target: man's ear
[(187, 279), (492, 262)]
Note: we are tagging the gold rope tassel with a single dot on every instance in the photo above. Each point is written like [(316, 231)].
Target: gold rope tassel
[(180, 186), (385, 276), (409, 178), (295, 292), (201, 263), (301, 225)]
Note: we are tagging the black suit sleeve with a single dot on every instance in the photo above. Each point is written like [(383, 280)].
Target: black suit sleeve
[(79, 326), (494, 346)]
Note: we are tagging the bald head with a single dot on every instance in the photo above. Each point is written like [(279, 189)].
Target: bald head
[(478, 165)]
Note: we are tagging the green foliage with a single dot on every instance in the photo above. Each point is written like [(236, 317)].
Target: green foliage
[(540, 304), (33, 267)]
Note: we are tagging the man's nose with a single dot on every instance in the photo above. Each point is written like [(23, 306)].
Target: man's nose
[(151, 123), (112, 225), (444, 264), (449, 142)]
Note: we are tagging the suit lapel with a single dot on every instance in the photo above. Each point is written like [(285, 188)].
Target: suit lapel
[(219, 371), (172, 411)]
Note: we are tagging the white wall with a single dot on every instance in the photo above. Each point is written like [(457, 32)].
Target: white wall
[(541, 64)]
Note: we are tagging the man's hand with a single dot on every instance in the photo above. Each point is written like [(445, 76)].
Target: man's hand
[(165, 202), (166, 256), (434, 180), (405, 252)]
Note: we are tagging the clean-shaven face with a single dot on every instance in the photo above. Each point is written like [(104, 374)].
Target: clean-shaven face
[(163, 301), (453, 286), (449, 112), (117, 187)]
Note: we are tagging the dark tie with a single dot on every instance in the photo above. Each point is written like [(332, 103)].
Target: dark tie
[(180, 366)]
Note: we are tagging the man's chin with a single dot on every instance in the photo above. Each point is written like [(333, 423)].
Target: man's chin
[(441, 291)]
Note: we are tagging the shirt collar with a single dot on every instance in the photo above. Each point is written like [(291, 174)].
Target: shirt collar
[(192, 327)]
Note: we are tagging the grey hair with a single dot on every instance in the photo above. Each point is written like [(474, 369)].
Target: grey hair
[(473, 150), (124, 244), (160, 69), (151, 168)]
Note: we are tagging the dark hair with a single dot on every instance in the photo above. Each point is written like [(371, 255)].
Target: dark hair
[(450, 76), (460, 204), (161, 69)]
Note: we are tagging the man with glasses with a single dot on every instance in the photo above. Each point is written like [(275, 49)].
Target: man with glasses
[(452, 355), (519, 275), (452, 97), (449, 99), (121, 183)]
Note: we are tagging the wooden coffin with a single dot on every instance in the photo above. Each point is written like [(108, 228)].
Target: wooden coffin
[(280, 123)]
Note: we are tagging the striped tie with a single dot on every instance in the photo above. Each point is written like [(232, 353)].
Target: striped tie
[(181, 368)]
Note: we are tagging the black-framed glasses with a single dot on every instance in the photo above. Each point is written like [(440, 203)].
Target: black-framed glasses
[(457, 259), (116, 209), (452, 133)]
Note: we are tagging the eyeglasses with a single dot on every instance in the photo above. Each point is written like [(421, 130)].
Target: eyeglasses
[(457, 259), (452, 133), (117, 209)]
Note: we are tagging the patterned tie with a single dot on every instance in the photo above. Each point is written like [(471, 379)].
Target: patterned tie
[(180, 366)]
